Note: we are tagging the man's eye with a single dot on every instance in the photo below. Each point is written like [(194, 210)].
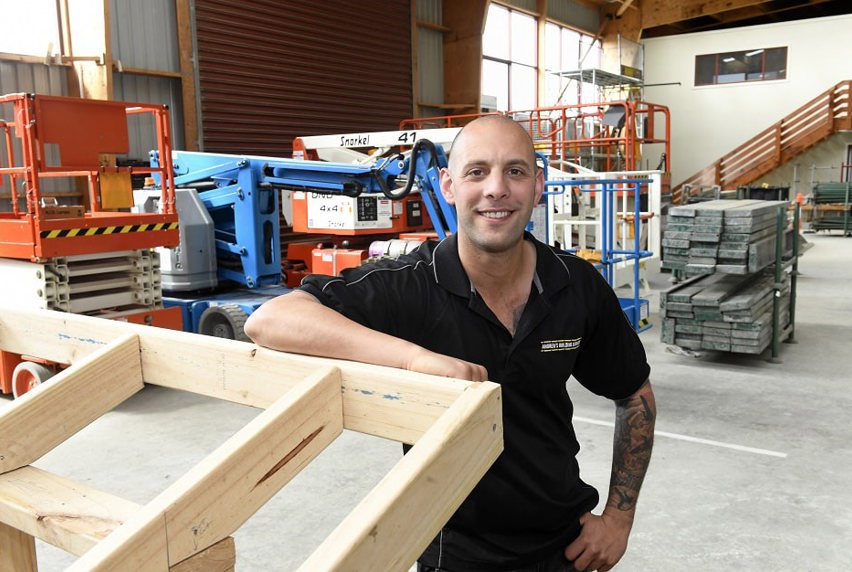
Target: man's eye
[(475, 173), (516, 172)]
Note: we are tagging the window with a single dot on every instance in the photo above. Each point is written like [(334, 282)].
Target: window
[(509, 67), (30, 28), (734, 67), (567, 50)]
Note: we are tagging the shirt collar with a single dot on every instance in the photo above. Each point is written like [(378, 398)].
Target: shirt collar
[(449, 273)]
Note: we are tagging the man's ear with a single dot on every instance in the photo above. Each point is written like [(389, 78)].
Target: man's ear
[(539, 185), (447, 186)]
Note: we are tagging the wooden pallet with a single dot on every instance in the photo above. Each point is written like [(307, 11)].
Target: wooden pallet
[(455, 427)]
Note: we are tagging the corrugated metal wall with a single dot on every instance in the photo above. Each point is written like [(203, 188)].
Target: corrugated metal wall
[(430, 56), (271, 71), (27, 78), (574, 14), (144, 36)]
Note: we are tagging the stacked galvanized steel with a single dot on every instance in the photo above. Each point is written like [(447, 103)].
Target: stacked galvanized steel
[(727, 236), (722, 312), (832, 208), (728, 306)]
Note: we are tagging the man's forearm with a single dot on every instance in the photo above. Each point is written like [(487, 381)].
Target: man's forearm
[(633, 442)]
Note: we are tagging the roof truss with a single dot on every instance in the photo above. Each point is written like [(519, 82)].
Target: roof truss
[(455, 426)]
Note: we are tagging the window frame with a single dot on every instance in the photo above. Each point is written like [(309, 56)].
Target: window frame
[(704, 78)]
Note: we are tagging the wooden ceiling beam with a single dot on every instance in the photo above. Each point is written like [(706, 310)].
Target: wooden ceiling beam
[(664, 12)]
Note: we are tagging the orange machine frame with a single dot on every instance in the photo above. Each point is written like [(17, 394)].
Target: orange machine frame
[(83, 130), (564, 131)]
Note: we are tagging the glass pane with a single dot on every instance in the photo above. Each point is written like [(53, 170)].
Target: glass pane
[(589, 93), (495, 81), (776, 63), (552, 90), (524, 39), (494, 42), (570, 50), (590, 53), (552, 59), (705, 69), (522, 88), (731, 67), (753, 64), (35, 28)]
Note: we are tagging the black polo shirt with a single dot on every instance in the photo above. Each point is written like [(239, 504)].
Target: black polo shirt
[(529, 501)]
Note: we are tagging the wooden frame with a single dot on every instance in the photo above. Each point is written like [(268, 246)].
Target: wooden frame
[(455, 426)]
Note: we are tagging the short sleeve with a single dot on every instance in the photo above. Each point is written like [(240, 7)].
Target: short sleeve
[(612, 360)]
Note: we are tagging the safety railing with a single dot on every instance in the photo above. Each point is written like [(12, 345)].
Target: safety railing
[(809, 125)]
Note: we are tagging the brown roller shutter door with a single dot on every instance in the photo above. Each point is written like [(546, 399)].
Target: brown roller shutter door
[(271, 71)]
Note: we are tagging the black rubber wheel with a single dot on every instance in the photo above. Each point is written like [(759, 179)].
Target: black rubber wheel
[(224, 321)]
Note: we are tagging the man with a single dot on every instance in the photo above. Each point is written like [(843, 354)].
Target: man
[(491, 302)]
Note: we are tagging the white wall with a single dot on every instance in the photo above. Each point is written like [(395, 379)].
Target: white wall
[(709, 121)]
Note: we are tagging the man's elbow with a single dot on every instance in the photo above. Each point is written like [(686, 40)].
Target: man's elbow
[(254, 326)]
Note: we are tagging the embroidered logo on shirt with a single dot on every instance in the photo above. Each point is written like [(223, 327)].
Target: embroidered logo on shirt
[(560, 345)]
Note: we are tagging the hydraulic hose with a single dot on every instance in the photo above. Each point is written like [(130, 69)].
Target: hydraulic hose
[(420, 146)]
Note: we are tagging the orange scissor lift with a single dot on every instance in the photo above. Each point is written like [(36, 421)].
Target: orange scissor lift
[(92, 258)]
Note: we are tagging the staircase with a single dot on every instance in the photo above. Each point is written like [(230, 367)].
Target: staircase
[(814, 122)]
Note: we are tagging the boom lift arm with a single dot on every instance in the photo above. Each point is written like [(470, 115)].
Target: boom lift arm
[(238, 191), (237, 198)]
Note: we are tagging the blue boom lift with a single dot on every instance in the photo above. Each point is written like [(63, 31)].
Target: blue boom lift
[(228, 261)]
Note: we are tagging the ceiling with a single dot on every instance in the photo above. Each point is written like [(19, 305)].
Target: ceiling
[(718, 15)]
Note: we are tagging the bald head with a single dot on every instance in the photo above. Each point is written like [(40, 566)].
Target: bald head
[(483, 130)]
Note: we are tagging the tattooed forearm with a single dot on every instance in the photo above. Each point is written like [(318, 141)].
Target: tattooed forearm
[(634, 439)]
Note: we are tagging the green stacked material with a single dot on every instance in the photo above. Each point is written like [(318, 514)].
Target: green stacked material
[(726, 236), (826, 193), (723, 312), (833, 210)]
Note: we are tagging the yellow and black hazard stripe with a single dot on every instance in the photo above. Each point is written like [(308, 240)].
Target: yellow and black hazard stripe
[(103, 230)]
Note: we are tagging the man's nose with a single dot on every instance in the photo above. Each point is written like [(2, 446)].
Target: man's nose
[(495, 186)]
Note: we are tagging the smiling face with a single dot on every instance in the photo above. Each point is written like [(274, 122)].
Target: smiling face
[(494, 182)]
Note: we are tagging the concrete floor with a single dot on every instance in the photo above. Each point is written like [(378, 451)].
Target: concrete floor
[(748, 471)]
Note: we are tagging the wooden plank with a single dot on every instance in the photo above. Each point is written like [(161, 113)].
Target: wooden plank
[(46, 416), (220, 493), (69, 515), (221, 557), (74, 517), (421, 492), (377, 400), (17, 550)]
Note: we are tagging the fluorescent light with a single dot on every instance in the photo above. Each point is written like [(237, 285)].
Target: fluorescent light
[(728, 60), (754, 53)]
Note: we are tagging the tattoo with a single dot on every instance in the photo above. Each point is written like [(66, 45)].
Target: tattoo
[(634, 440)]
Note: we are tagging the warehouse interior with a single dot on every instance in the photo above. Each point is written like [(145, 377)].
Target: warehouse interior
[(177, 163)]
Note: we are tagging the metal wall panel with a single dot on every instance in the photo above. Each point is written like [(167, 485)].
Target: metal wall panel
[(528, 5), (430, 11), (144, 34), (574, 14), (270, 71), (32, 78), (150, 89), (430, 54), (27, 78)]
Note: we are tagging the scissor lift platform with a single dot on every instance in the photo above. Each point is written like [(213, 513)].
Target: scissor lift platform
[(84, 133)]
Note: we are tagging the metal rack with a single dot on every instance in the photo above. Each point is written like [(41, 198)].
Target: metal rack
[(635, 308), (832, 209)]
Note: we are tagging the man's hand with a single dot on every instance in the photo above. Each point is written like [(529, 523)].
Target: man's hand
[(601, 544), (433, 363)]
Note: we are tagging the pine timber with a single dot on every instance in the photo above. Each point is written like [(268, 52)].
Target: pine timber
[(101, 381), (455, 426)]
